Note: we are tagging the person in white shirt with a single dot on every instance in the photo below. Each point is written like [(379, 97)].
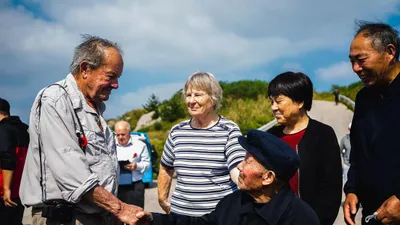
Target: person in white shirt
[(131, 149)]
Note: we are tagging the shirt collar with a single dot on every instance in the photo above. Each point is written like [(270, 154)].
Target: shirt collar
[(270, 211), (78, 100)]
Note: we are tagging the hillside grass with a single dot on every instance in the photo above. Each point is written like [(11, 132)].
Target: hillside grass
[(245, 103)]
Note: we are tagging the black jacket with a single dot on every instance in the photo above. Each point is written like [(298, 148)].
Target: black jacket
[(374, 173), (320, 173), (239, 208), (13, 133)]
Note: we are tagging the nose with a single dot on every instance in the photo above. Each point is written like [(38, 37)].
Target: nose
[(114, 83), (274, 106), (356, 67)]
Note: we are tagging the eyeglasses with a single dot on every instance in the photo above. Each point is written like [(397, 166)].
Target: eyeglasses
[(195, 96)]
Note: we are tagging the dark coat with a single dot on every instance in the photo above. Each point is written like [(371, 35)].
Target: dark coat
[(320, 173), (374, 173), (13, 133), (239, 208)]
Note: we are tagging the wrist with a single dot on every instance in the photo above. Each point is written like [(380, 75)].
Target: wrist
[(117, 208)]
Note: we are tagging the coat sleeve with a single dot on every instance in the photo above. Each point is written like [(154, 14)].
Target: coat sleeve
[(8, 144), (329, 191)]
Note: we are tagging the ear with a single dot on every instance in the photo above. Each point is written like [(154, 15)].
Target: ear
[(301, 104), (85, 68), (268, 178), (391, 50)]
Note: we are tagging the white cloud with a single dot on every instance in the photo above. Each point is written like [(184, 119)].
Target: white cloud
[(168, 37), (290, 66), (122, 103), (338, 72)]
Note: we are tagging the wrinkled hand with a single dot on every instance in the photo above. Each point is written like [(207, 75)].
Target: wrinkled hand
[(165, 205), (127, 214), (131, 166), (350, 208), (7, 199), (389, 212), (144, 218)]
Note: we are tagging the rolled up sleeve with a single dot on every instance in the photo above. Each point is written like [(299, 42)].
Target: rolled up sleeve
[(63, 156)]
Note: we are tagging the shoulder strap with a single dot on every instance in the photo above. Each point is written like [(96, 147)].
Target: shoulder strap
[(82, 139)]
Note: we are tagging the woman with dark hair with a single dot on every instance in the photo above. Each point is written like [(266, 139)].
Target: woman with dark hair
[(319, 178)]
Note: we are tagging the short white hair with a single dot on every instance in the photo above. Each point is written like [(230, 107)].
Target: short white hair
[(206, 82), (123, 123)]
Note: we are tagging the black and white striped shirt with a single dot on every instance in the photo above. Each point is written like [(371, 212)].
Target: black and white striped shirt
[(202, 159)]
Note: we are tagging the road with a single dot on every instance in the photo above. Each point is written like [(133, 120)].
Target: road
[(338, 117)]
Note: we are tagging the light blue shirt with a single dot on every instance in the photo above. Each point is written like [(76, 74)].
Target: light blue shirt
[(68, 173)]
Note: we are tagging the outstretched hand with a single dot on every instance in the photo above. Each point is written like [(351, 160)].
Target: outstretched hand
[(127, 214)]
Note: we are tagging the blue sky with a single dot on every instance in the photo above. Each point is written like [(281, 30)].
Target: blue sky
[(164, 41)]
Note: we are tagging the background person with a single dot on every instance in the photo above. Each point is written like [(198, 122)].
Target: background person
[(374, 174), (319, 179), (71, 171), (134, 151), (14, 140), (265, 196), (203, 151), (345, 148)]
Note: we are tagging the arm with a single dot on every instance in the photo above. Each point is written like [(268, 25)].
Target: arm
[(7, 162), (329, 193), (164, 186), (166, 173), (103, 198), (7, 177), (234, 153)]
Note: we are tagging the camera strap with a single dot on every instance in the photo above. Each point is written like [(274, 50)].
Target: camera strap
[(81, 136)]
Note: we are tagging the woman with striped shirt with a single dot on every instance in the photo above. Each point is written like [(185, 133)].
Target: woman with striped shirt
[(203, 151)]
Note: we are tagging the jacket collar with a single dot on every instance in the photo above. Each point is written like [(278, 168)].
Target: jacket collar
[(270, 211), (77, 98)]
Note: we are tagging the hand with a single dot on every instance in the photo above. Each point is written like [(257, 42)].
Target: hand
[(131, 166), (389, 212), (144, 218), (7, 199), (350, 208), (127, 213), (165, 205)]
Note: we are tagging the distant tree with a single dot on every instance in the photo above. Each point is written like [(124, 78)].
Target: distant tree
[(152, 103), (173, 109)]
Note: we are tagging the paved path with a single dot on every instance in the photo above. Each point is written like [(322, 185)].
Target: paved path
[(337, 117)]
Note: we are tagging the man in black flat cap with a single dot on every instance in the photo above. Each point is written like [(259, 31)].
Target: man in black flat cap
[(264, 197)]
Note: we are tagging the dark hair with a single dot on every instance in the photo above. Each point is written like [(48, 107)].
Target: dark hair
[(92, 50), (381, 35), (296, 86), (4, 107)]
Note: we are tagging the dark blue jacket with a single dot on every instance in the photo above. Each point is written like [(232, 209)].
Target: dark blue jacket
[(374, 173), (239, 208)]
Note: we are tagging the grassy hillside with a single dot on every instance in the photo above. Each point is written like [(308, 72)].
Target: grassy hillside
[(244, 102)]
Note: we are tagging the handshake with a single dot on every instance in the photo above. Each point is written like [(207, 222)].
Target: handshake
[(133, 215)]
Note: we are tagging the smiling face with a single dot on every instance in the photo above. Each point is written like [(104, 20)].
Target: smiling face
[(251, 174), (198, 102), (285, 109), (369, 64), (101, 81)]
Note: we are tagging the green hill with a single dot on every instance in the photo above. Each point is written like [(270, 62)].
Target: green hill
[(244, 102)]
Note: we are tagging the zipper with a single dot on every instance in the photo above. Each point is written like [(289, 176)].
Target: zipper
[(298, 173)]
